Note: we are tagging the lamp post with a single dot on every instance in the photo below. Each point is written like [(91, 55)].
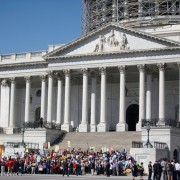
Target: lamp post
[(148, 127)]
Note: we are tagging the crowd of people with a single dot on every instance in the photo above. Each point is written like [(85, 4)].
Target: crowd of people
[(77, 162)]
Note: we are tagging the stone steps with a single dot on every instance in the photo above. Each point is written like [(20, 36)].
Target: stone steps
[(116, 140)]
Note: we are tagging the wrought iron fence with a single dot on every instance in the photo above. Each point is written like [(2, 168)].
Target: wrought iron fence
[(156, 122), (137, 144)]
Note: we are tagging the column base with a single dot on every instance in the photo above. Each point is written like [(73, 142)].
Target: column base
[(66, 127), (120, 127), (139, 126), (10, 130), (84, 128), (102, 127), (93, 128)]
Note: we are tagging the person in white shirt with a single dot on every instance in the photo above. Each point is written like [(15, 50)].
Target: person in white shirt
[(177, 168)]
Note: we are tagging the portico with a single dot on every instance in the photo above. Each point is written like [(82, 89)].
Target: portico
[(88, 88)]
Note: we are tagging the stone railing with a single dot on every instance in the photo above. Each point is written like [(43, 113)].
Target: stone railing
[(22, 56)]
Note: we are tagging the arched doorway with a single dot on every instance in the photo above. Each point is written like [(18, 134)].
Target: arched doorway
[(37, 113), (176, 155), (132, 116)]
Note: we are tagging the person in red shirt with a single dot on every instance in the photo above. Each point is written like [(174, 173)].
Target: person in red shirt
[(10, 164)]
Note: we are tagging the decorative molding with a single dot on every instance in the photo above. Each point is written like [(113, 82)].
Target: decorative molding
[(161, 66)]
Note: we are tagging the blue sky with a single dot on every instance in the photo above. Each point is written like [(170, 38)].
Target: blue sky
[(32, 25)]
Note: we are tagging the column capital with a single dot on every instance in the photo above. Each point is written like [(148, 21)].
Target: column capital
[(27, 78), (50, 73), (141, 67), (67, 72), (122, 69), (161, 66), (59, 75), (102, 70), (4, 82), (43, 77), (85, 71), (12, 79), (94, 73)]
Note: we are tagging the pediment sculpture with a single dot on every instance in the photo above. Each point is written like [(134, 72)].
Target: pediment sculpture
[(121, 43)]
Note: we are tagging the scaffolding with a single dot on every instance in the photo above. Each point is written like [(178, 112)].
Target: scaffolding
[(95, 13)]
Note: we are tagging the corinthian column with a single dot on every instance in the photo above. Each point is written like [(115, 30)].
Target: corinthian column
[(93, 126), (141, 68), (67, 113), (84, 126), (103, 126), (12, 103), (43, 96), (122, 126), (50, 96), (27, 98), (148, 96), (161, 94), (59, 98)]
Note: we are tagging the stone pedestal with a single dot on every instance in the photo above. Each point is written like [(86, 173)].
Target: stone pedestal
[(102, 127), (84, 128), (138, 126), (148, 154), (93, 128), (66, 127), (120, 127), (9, 130)]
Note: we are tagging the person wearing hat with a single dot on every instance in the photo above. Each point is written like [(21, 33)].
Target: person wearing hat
[(150, 170)]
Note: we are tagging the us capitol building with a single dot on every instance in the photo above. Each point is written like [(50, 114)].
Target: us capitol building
[(122, 72)]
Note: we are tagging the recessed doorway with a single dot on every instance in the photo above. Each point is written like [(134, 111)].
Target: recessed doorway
[(132, 116)]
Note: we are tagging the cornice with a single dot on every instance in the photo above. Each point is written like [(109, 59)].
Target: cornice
[(114, 53)]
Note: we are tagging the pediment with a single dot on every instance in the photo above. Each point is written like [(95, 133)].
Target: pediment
[(111, 38)]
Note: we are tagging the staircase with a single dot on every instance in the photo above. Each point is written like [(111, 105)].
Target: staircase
[(116, 140)]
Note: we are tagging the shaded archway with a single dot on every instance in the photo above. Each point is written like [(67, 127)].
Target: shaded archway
[(132, 116), (176, 155), (37, 114)]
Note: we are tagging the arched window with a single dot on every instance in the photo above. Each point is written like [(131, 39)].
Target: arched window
[(37, 114)]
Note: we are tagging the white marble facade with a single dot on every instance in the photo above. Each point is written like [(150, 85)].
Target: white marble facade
[(90, 83)]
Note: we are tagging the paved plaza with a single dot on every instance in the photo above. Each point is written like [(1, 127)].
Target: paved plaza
[(53, 177)]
